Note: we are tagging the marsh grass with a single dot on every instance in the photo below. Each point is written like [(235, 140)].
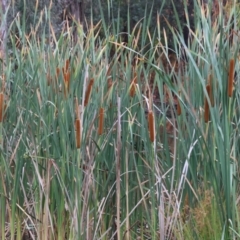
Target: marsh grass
[(67, 174)]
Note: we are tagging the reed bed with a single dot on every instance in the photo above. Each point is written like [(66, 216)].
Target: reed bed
[(99, 150)]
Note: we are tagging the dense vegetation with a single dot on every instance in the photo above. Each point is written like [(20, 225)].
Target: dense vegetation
[(104, 136)]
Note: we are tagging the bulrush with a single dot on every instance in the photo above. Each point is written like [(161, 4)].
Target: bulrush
[(210, 81), (78, 133), (206, 105), (230, 78), (179, 110), (101, 121), (66, 66), (66, 76), (57, 72), (151, 126), (1, 106), (88, 92), (132, 91)]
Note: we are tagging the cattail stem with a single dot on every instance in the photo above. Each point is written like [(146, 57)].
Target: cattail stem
[(206, 106), (88, 92), (101, 121), (78, 133), (1, 106), (151, 126), (230, 78)]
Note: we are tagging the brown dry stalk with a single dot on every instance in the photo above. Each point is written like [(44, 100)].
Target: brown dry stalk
[(101, 121), (88, 92), (132, 91), (151, 126), (78, 133), (1, 106), (206, 106), (230, 78)]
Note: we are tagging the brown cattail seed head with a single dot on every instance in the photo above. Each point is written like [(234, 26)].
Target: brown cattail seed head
[(101, 121), (151, 126), (133, 86), (66, 76), (88, 92), (230, 78), (78, 133)]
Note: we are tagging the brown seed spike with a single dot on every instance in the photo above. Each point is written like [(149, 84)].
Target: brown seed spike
[(151, 126), (101, 121), (88, 92), (78, 133), (133, 86), (206, 106), (179, 110), (1, 106), (67, 65), (230, 78), (66, 76)]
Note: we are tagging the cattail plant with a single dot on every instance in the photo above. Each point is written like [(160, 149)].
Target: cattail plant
[(88, 92), (1, 106), (206, 106), (132, 91), (230, 78), (78, 132), (151, 126), (101, 121)]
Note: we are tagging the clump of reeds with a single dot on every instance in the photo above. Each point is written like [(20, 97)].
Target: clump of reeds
[(88, 91), (66, 77), (101, 121), (151, 127), (230, 77), (206, 105)]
